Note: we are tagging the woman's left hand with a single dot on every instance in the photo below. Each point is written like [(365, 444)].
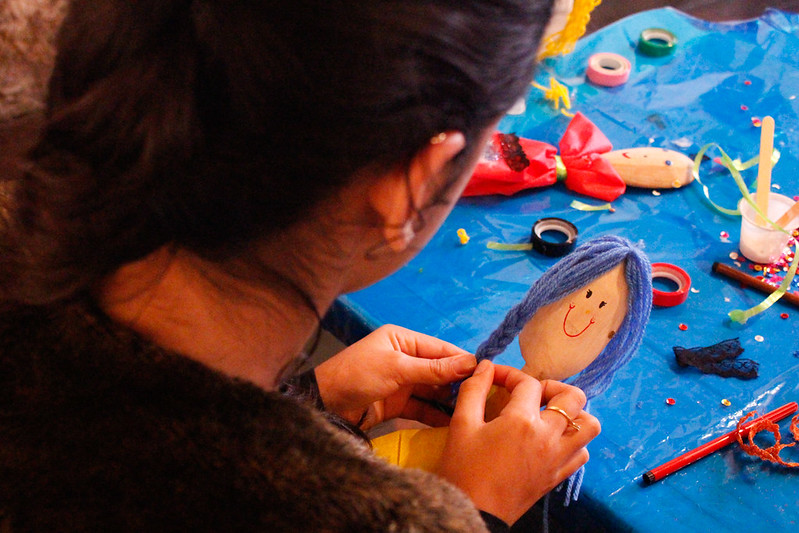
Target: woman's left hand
[(381, 376)]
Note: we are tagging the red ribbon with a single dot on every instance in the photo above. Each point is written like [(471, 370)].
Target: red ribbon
[(581, 146)]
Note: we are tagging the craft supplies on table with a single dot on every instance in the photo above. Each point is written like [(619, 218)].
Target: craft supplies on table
[(717, 81)]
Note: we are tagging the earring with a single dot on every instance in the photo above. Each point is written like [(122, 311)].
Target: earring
[(402, 238), (408, 233), (438, 139)]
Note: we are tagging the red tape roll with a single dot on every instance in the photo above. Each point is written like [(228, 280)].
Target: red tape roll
[(678, 276)]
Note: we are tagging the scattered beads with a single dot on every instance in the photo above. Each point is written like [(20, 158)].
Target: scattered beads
[(773, 274), (759, 338), (670, 401), (747, 82), (756, 122), (733, 255), (668, 163), (463, 236), (744, 108), (784, 315), (726, 403), (694, 290), (655, 193), (725, 235), (683, 327)]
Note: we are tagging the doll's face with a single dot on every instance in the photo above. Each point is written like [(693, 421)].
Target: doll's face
[(565, 336)]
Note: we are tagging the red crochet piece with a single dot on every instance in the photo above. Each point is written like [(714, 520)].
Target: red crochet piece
[(772, 453), (512, 164)]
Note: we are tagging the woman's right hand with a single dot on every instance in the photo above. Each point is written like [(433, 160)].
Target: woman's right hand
[(509, 463)]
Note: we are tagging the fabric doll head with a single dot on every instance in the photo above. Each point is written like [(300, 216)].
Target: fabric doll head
[(566, 300)]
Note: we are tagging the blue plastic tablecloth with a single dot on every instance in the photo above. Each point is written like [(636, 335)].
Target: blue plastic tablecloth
[(721, 76)]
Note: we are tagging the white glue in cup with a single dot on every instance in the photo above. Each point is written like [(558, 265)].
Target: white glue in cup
[(763, 244)]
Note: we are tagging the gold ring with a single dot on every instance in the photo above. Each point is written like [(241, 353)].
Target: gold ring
[(572, 423)]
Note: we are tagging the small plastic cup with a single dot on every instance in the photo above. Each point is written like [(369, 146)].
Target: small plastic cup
[(763, 244)]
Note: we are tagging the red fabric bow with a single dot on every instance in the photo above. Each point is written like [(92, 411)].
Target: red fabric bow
[(512, 164)]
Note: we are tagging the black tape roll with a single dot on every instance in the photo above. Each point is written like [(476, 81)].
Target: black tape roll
[(550, 248)]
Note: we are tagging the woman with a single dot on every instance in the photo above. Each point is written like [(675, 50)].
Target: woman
[(211, 176)]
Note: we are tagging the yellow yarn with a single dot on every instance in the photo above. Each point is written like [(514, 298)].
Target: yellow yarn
[(563, 42), (557, 93)]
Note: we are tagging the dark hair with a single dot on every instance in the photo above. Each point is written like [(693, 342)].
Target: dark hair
[(207, 124)]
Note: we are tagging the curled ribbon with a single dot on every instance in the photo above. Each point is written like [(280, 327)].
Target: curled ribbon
[(735, 167)]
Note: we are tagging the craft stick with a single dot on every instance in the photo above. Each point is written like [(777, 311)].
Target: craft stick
[(694, 455), (764, 167), (789, 215), (751, 281)]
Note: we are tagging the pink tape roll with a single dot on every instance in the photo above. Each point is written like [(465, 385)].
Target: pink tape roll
[(608, 69)]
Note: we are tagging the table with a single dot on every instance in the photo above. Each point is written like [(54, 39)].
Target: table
[(721, 76)]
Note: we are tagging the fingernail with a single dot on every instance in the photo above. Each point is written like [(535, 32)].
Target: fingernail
[(482, 367), (463, 365)]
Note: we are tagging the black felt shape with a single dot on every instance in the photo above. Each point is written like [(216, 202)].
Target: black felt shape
[(720, 359)]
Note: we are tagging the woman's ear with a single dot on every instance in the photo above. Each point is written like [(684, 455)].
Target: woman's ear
[(401, 191)]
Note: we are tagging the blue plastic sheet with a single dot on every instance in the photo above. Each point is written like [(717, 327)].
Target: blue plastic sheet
[(721, 76)]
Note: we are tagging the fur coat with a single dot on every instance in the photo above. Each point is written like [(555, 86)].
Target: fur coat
[(102, 431), (27, 52)]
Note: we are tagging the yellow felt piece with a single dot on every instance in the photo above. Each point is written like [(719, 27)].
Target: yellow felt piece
[(412, 448), (422, 448)]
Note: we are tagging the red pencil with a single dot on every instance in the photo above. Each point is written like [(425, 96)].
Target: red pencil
[(656, 474)]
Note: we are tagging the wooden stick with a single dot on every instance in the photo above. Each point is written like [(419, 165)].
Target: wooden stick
[(789, 215), (764, 167), (751, 281)]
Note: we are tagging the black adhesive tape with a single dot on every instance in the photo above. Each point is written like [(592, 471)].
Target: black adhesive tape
[(550, 248)]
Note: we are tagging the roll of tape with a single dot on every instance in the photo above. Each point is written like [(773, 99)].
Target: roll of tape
[(551, 248), (608, 69), (657, 42), (678, 276)]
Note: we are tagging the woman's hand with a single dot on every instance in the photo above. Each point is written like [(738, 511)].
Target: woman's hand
[(509, 463), (379, 377)]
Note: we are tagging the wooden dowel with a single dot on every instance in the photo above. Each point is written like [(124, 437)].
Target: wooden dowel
[(751, 281)]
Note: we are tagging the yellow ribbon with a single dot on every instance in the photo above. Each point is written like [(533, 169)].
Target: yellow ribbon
[(582, 206)]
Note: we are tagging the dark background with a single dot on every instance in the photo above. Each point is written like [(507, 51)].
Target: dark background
[(715, 10)]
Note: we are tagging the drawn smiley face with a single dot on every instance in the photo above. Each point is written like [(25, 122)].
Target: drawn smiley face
[(592, 320), (565, 336)]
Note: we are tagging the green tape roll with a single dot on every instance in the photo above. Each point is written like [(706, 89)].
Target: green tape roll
[(657, 42)]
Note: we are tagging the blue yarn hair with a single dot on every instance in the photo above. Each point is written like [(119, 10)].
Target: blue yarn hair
[(586, 263)]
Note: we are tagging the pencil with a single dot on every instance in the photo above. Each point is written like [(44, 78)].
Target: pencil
[(656, 474), (751, 281)]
